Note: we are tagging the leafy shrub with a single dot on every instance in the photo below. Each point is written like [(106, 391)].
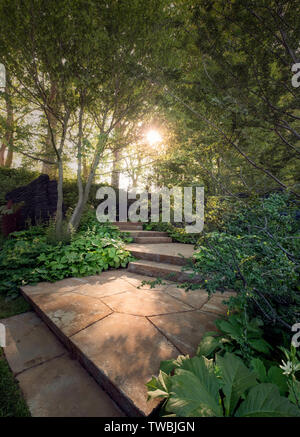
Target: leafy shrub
[(198, 387), (27, 257), (233, 337), (257, 254)]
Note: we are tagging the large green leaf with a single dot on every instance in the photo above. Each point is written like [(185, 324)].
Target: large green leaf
[(236, 380), (195, 392), (264, 400), (208, 345), (159, 387)]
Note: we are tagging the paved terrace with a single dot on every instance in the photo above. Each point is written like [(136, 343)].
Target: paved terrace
[(120, 332)]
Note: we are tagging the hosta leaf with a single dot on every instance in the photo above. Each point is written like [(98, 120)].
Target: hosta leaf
[(260, 345), (276, 377), (159, 387), (195, 394), (228, 328), (168, 366), (264, 400), (208, 345), (259, 369), (236, 379)]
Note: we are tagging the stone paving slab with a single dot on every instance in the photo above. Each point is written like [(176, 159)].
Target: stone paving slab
[(53, 384), (172, 253), (137, 279), (127, 350), (29, 342), (70, 312), (120, 332), (176, 249), (185, 330), (62, 388), (63, 286), (145, 303), (215, 304), (194, 298)]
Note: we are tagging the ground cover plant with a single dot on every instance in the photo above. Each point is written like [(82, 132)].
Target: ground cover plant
[(223, 386), (32, 255)]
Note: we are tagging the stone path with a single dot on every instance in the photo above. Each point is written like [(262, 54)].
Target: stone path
[(53, 384), (117, 330), (120, 332)]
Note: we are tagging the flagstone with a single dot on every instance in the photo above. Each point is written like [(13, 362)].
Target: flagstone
[(29, 342), (127, 350), (194, 298), (70, 312), (63, 286), (62, 388), (185, 330), (145, 303)]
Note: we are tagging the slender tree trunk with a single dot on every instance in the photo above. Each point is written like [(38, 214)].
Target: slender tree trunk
[(9, 158), (60, 196), (85, 170), (7, 144), (82, 201), (51, 169), (73, 223), (2, 154), (115, 176)]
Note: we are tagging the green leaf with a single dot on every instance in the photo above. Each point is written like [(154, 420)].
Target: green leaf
[(207, 346), (276, 377), (159, 387), (195, 393), (264, 400), (236, 379), (259, 369), (260, 345)]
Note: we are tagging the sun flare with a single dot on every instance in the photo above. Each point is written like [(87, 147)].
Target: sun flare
[(153, 137)]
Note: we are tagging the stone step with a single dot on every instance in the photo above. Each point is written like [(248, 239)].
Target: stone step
[(134, 233), (170, 253), (152, 240), (129, 225), (119, 330), (161, 270)]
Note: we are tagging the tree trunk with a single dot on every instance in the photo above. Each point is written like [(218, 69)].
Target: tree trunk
[(115, 176), (49, 153), (7, 144), (9, 158), (73, 223), (60, 196), (82, 200)]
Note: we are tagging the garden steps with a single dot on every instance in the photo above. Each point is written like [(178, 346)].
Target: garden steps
[(170, 253), (171, 272), (140, 236), (152, 240), (128, 226), (120, 331), (134, 233)]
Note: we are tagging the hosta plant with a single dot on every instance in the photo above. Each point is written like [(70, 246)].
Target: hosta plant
[(199, 387)]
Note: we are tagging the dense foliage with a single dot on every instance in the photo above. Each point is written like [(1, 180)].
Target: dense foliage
[(30, 256), (223, 386), (256, 254)]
